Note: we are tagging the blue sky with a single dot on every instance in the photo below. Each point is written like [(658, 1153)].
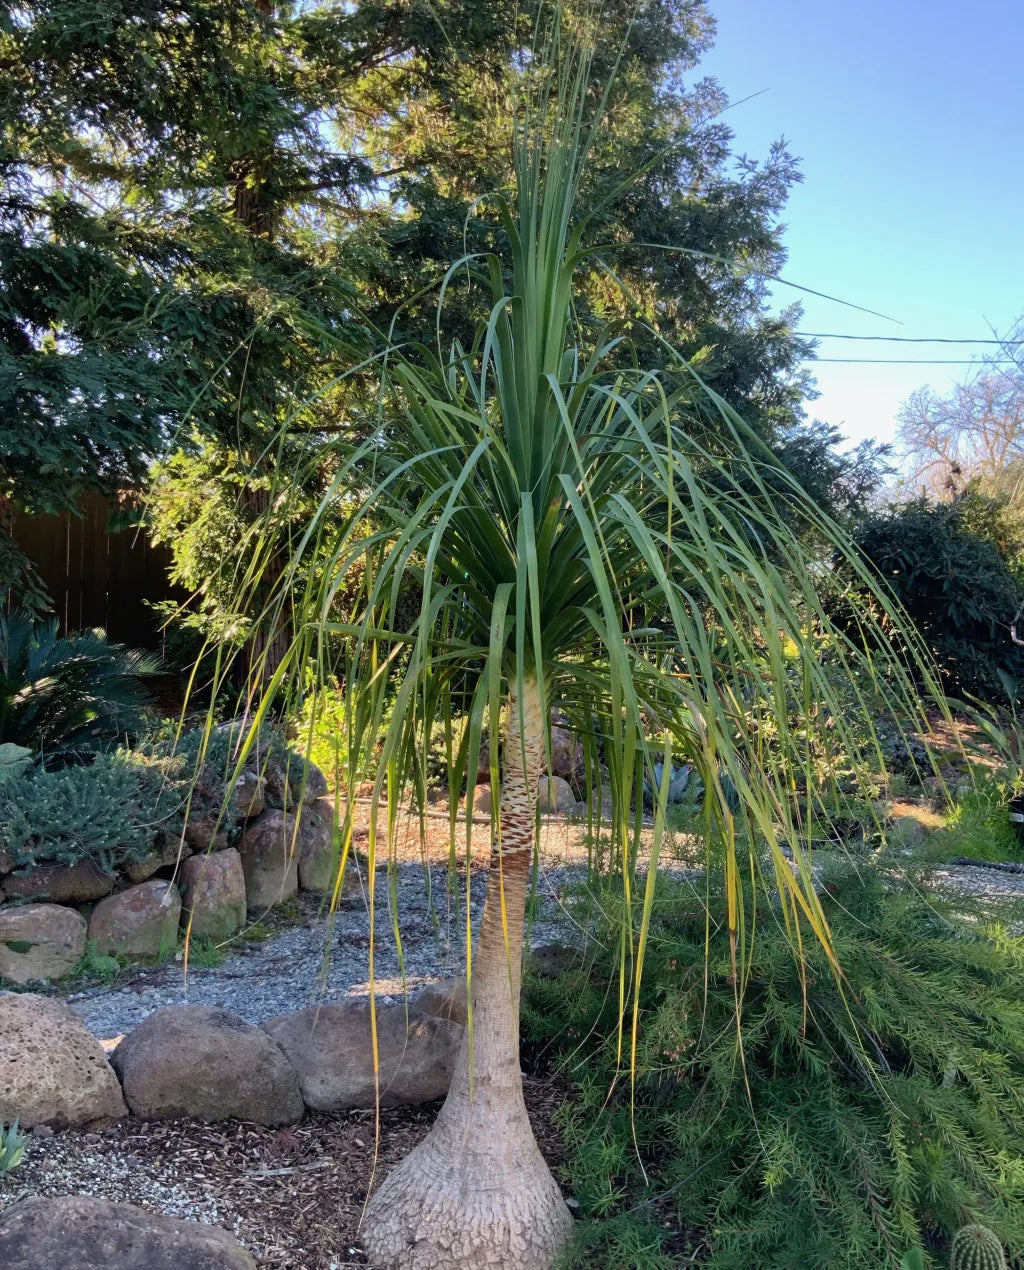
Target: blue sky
[(907, 117)]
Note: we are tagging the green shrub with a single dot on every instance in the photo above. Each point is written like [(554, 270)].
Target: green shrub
[(835, 1127), (63, 696), (15, 760), (108, 812), (94, 965), (957, 586), (327, 733), (978, 826), (205, 953), (204, 759)]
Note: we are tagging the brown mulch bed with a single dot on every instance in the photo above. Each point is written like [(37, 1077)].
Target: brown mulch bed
[(567, 840), (563, 839), (292, 1196)]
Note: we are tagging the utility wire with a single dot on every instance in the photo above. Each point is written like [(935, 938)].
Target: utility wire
[(910, 361), (904, 339)]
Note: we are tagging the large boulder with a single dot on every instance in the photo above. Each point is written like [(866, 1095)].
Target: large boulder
[(208, 830), (482, 803), (40, 941), (80, 1232), (551, 961), (598, 808), (142, 870), (199, 1060), (214, 894), (318, 861), (290, 781), (61, 883), (445, 999), (270, 850), (139, 922), (909, 832), (555, 795), (53, 1071), (250, 794), (330, 1048)]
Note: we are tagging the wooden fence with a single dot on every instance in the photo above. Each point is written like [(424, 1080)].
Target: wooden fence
[(97, 577)]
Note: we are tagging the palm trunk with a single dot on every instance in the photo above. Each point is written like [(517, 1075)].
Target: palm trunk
[(476, 1192)]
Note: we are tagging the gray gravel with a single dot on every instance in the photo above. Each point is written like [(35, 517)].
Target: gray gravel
[(981, 880), (324, 960), (321, 961)]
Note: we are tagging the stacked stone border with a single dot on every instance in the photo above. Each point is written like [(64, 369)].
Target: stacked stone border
[(213, 878)]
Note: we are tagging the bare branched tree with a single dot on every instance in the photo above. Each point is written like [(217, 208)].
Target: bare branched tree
[(1011, 345), (974, 432)]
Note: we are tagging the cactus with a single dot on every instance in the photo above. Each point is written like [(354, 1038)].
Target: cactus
[(976, 1248)]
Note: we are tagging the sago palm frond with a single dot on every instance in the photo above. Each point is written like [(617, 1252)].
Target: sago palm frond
[(65, 694)]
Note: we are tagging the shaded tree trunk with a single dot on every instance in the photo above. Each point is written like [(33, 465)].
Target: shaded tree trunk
[(259, 215), (476, 1193), (272, 632)]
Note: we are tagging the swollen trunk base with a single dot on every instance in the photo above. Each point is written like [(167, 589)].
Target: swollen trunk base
[(471, 1196), (476, 1193)]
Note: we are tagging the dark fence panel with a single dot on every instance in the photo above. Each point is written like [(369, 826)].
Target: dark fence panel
[(97, 577)]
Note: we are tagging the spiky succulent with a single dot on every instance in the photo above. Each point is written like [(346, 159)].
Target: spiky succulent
[(12, 1147), (976, 1248)]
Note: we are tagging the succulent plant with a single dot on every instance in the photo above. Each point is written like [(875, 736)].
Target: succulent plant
[(976, 1248), (12, 1147)]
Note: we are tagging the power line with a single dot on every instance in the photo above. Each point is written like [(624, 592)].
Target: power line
[(910, 361), (905, 339)]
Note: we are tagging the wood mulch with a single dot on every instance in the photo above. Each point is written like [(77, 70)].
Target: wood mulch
[(563, 840), (293, 1196)]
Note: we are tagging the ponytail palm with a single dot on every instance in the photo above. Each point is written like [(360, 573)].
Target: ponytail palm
[(578, 542)]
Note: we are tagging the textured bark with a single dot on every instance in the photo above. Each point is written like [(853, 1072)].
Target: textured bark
[(269, 640), (476, 1193)]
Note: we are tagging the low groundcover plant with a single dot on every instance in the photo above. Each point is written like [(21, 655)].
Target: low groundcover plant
[(824, 1122)]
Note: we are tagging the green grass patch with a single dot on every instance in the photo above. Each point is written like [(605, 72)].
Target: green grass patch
[(978, 826)]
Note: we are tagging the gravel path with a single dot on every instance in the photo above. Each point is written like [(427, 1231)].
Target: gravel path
[(982, 880), (321, 961)]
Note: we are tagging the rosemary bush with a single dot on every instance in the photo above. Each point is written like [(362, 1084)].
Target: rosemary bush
[(836, 1124), (205, 761)]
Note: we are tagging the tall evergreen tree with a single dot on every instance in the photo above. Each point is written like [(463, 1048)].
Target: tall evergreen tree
[(199, 201), (196, 195), (180, 231), (716, 214)]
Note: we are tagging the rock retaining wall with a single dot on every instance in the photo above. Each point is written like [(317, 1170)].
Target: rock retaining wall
[(207, 882)]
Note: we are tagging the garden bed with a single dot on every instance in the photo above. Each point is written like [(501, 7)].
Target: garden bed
[(292, 1196)]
